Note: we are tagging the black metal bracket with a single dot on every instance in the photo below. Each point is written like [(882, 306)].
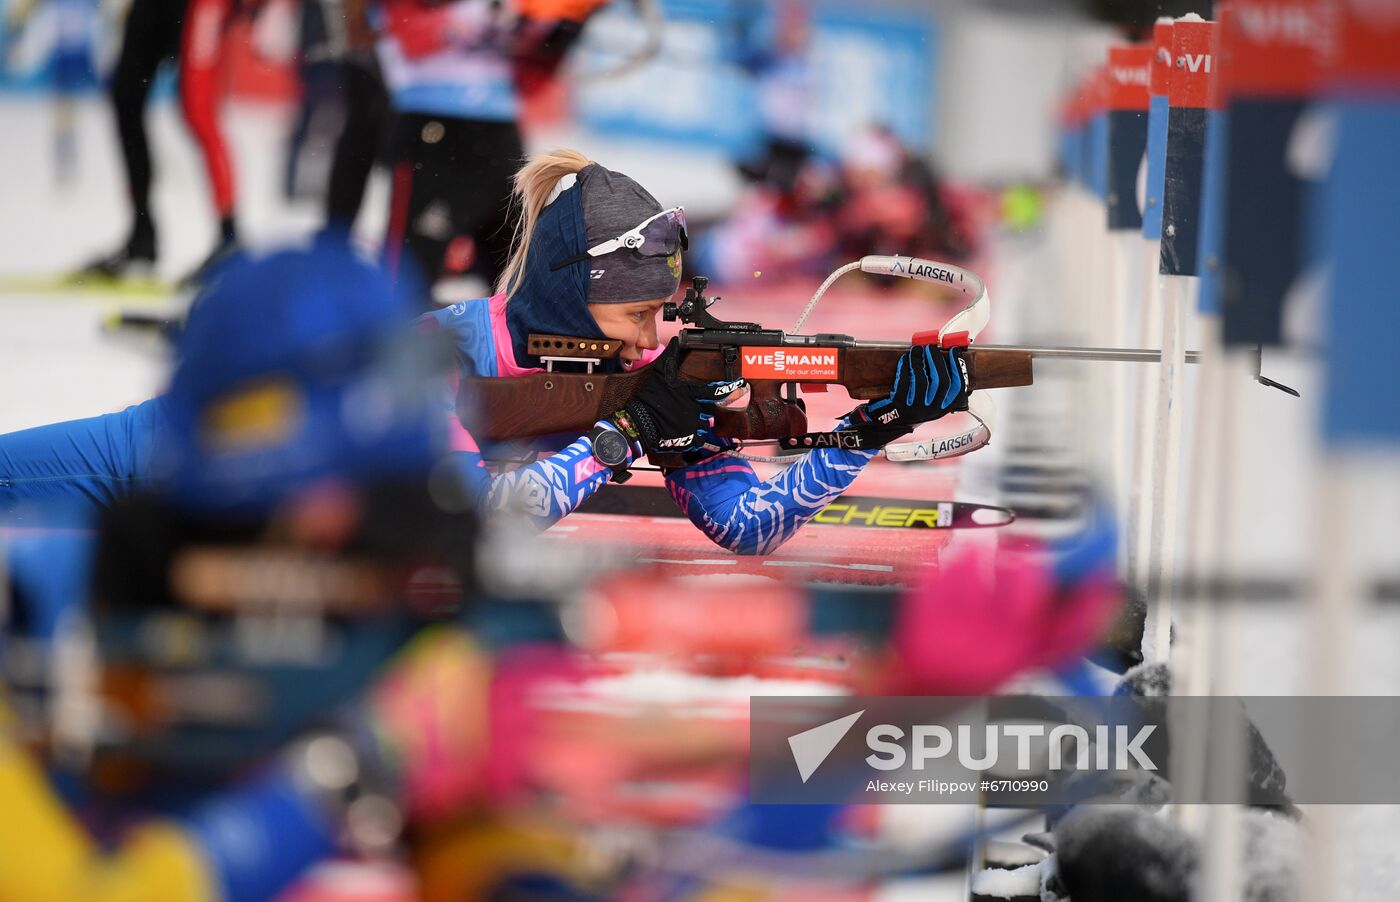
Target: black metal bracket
[(1265, 380), (730, 354)]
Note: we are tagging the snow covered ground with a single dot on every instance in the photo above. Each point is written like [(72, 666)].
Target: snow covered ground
[(57, 362)]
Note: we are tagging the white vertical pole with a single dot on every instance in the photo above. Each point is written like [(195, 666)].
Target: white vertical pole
[(1145, 436), (1201, 559), (1178, 297), (1123, 245), (1221, 871), (1091, 232), (1339, 590), (1193, 656)]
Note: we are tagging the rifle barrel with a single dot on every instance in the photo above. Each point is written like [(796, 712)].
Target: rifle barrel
[(1121, 355)]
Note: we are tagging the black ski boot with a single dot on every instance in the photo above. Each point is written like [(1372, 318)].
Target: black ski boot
[(136, 258), (227, 244)]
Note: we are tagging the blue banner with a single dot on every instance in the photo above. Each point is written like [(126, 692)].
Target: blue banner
[(722, 78), (1156, 168), (1098, 155), (1181, 199), (1071, 155), (1262, 231), (1363, 317), (1214, 184), (1127, 139)]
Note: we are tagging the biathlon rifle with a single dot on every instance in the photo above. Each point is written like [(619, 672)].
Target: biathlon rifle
[(776, 365)]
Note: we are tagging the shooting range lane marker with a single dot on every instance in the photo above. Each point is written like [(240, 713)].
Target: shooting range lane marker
[(1138, 532), (1361, 421), (1128, 102), (1188, 91)]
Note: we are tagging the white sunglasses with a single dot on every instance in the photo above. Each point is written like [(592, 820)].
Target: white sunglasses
[(656, 236)]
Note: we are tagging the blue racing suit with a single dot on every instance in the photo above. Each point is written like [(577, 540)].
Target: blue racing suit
[(80, 468), (88, 464)]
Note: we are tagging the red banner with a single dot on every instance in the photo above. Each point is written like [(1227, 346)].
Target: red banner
[(1368, 43), (1277, 48), (1192, 62), (1128, 75), (1224, 62)]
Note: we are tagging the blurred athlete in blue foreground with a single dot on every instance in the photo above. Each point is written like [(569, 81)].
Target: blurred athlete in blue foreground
[(596, 257), (288, 385)]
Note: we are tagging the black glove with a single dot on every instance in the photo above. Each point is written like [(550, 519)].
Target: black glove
[(671, 413), (929, 382)]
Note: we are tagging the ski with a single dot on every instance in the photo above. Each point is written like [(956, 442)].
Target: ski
[(127, 288), (848, 510)]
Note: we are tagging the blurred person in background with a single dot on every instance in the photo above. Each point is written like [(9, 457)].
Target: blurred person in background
[(320, 66), (192, 33), (596, 257), (782, 236), (150, 39), (893, 203), (778, 63), (456, 73), (207, 23), (82, 468), (338, 59), (780, 223), (71, 64), (876, 197), (297, 434), (362, 137)]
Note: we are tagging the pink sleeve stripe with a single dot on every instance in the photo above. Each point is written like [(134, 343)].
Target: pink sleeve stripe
[(505, 346)]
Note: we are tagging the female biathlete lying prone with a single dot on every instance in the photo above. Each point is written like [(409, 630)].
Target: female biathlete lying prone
[(595, 256)]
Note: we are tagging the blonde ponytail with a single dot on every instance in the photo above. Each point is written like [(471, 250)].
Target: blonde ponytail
[(533, 185)]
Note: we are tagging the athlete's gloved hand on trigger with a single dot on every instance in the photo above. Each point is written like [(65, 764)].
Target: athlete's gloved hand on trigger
[(671, 413), (929, 382)]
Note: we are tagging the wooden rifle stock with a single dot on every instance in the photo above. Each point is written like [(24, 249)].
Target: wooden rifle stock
[(542, 403), (549, 403), (868, 373)]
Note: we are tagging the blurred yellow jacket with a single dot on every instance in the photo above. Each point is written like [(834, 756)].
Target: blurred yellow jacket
[(47, 856)]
